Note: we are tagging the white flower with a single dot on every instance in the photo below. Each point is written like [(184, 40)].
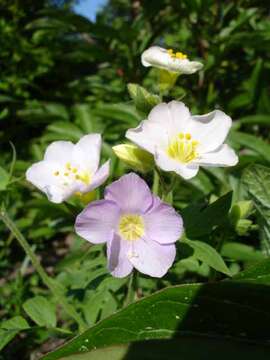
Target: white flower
[(69, 168), (181, 142), (168, 60)]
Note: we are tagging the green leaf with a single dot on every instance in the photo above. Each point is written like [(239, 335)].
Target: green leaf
[(257, 180), (209, 255), (6, 336), (241, 252), (218, 310), (15, 323), (65, 130), (4, 179), (41, 311), (251, 142), (143, 100), (200, 220), (258, 273)]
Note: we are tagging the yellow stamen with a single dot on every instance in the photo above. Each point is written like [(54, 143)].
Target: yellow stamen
[(56, 173), (66, 173), (183, 148), (74, 170), (68, 166), (178, 55), (131, 227)]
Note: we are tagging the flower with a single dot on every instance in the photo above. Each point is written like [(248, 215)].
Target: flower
[(169, 60), (69, 168), (140, 229), (181, 142)]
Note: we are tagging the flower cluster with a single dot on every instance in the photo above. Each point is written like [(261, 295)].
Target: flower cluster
[(140, 229)]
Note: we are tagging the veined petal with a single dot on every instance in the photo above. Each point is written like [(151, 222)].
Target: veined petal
[(187, 171), (152, 258), (131, 193), (117, 253), (163, 224), (87, 152), (224, 156), (41, 174), (210, 130), (96, 223), (59, 152)]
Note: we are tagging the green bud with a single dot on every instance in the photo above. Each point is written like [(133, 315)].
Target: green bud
[(240, 210), (134, 157)]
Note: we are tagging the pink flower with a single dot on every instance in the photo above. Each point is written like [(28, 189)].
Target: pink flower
[(140, 230)]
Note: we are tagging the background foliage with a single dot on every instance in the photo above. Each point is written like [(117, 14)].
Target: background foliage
[(62, 76)]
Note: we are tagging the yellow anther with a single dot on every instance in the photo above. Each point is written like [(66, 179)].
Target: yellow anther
[(56, 173), (131, 227), (182, 149), (74, 170), (66, 173), (181, 135), (77, 177), (68, 166), (178, 55)]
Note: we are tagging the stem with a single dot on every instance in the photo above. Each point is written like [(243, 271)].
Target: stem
[(43, 275), (131, 288), (155, 187)]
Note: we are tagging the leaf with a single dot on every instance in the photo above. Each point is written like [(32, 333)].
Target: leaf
[(257, 274), (218, 310), (257, 180), (251, 142), (4, 179), (15, 323), (144, 101), (65, 130), (241, 252), (200, 220), (6, 336), (189, 347), (258, 119), (41, 311), (209, 255)]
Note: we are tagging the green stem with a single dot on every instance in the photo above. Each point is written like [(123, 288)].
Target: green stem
[(43, 275), (155, 187), (131, 288)]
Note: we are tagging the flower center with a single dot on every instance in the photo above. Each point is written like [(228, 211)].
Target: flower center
[(183, 148), (70, 173), (177, 55), (131, 226)]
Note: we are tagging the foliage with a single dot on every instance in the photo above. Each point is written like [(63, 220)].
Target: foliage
[(63, 76)]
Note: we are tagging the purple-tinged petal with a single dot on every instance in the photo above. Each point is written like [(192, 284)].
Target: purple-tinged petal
[(131, 193), (96, 223), (152, 258), (163, 224), (117, 252)]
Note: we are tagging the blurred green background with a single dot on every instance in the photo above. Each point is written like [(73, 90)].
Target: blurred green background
[(63, 75)]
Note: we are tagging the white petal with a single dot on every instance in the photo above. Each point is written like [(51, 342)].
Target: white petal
[(59, 152), (224, 156), (100, 177), (210, 130), (41, 175), (187, 171), (164, 122), (86, 152)]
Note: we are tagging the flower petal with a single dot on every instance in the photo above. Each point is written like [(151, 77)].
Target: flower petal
[(41, 175), (59, 152), (152, 258), (96, 223), (163, 224), (131, 193), (179, 119), (187, 171), (210, 130), (118, 262), (98, 179), (224, 156), (87, 152)]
